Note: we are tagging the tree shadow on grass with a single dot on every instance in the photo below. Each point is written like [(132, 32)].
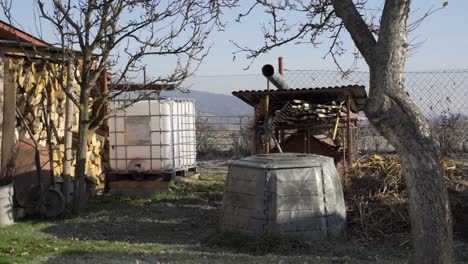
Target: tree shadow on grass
[(189, 225), (166, 222), (141, 257)]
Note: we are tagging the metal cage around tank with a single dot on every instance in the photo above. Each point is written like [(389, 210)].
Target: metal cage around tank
[(152, 136)]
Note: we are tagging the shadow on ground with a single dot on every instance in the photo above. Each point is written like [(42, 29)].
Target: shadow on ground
[(103, 257), (185, 230), (184, 221)]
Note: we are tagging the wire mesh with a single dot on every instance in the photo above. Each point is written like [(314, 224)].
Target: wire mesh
[(224, 121)]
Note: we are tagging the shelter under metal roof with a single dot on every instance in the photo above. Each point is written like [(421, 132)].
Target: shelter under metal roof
[(356, 93)]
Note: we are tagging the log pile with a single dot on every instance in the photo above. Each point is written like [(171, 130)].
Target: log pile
[(37, 84), (94, 162), (301, 112), (40, 98)]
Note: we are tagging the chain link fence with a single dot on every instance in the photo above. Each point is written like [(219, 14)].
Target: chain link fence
[(224, 122)]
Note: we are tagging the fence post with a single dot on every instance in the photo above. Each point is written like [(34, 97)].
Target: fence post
[(350, 132)]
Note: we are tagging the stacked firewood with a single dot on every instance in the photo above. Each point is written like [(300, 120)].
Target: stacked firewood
[(41, 101), (298, 111), (94, 162), (39, 97)]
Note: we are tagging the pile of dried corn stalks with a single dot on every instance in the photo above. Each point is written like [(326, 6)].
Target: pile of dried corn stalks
[(377, 200)]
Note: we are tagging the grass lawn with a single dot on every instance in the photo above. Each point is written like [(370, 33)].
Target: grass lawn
[(177, 227)]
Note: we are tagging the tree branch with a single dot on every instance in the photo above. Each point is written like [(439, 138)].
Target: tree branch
[(357, 27)]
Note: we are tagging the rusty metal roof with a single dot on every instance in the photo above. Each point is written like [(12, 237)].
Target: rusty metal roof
[(357, 94), (140, 87), (9, 32)]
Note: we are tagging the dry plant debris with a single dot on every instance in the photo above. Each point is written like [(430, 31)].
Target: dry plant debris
[(377, 201)]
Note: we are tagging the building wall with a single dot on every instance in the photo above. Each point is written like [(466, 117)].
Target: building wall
[(301, 143), (8, 114)]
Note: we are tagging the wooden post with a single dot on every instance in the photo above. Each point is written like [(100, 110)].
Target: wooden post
[(266, 111), (255, 132), (9, 114), (2, 81), (281, 71), (69, 117), (350, 132), (344, 152), (267, 134), (277, 135)]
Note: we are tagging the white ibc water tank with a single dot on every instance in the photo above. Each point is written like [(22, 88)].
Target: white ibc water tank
[(156, 135)]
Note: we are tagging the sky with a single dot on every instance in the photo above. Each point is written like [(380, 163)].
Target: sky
[(444, 35)]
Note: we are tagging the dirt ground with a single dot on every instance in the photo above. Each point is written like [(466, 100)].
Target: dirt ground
[(178, 227)]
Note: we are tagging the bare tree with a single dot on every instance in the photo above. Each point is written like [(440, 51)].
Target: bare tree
[(117, 35), (242, 139), (204, 134), (380, 35)]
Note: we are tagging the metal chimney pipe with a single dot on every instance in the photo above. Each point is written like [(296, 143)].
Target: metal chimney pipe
[(280, 66), (275, 78)]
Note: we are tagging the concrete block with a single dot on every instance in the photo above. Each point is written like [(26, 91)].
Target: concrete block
[(307, 188), (291, 203), (244, 174), (237, 211), (267, 194), (300, 221), (241, 186), (241, 200), (296, 175), (232, 220)]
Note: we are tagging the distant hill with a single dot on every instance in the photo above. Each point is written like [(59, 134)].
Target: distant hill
[(214, 104)]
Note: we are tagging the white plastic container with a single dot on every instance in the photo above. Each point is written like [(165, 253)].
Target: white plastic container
[(6, 205), (156, 135)]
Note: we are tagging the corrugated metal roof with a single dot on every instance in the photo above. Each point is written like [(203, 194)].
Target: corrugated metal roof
[(278, 98), (140, 86)]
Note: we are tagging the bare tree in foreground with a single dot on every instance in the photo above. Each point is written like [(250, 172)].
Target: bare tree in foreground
[(118, 35), (384, 47)]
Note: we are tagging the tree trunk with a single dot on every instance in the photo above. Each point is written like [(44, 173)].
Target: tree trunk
[(79, 197), (399, 120)]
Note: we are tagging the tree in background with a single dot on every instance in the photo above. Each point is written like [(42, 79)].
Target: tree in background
[(115, 36), (380, 35)]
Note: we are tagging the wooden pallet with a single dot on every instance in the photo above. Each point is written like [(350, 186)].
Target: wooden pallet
[(165, 176), (186, 172)]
